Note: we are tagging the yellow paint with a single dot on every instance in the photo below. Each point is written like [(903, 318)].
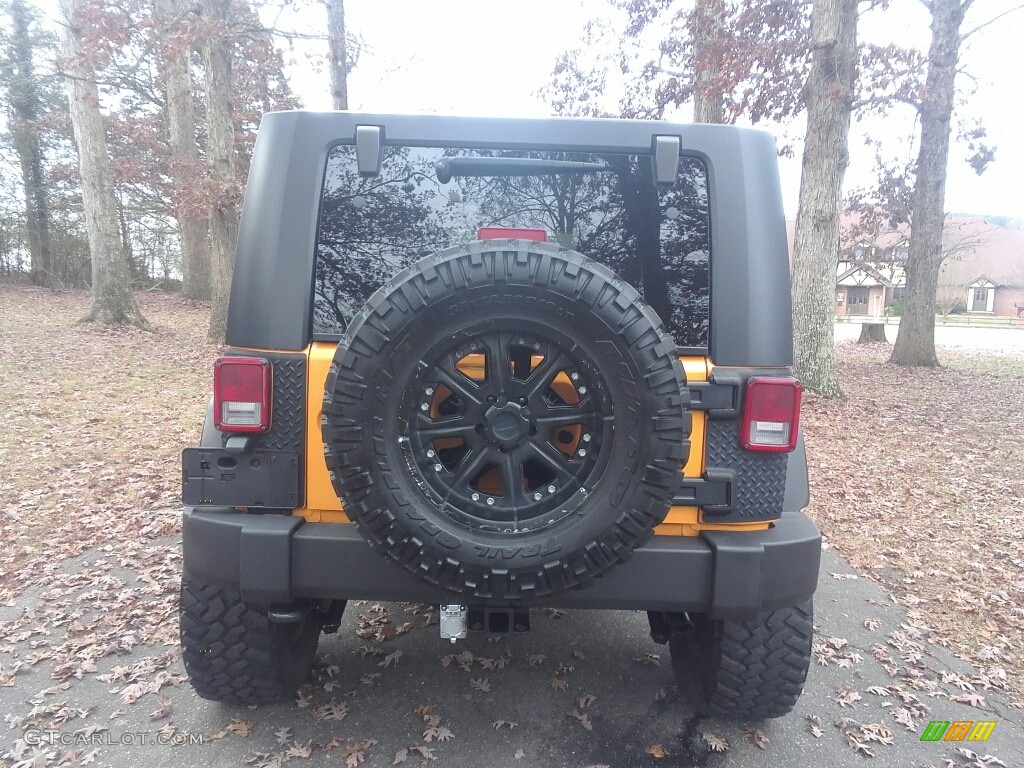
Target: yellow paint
[(685, 521), (323, 505)]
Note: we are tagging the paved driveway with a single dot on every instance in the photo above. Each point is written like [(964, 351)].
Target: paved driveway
[(965, 337), (582, 689)]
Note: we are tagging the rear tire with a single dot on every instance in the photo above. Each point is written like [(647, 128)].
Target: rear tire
[(234, 654), (458, 455), (754, 669)]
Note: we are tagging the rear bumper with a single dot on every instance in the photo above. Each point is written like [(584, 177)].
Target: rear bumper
[(278, 558)]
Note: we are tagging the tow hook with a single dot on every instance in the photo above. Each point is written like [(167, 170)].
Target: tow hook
[(453, 622)]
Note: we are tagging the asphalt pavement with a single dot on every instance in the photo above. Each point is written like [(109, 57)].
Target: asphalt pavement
[(583, 688)]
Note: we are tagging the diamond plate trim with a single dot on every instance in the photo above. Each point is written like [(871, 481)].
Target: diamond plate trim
[(760, 484)]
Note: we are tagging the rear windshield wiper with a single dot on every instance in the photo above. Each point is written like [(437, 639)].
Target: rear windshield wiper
[(451, 167)]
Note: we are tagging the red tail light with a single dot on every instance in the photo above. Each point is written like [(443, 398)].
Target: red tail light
[(241, 394), (493, 233), (771, 414)]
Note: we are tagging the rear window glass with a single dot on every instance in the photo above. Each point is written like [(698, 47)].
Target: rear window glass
[(656, 238)]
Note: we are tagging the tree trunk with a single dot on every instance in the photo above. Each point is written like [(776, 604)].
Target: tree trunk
[(185, 163), (915, 343), (707, 97), (24, 100), (220, 155), (339, 54), (872, 332), (112, 299), (828, 95)]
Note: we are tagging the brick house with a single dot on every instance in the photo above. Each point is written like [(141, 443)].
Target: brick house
[(983, 273)]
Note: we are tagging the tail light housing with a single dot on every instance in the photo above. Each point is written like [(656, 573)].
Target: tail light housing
[(520, 233), (771, 414), (242, 394)]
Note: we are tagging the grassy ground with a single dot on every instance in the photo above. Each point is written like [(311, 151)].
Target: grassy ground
[(916, 475)]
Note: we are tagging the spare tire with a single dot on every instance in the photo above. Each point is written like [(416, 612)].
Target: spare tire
[(506, 419)]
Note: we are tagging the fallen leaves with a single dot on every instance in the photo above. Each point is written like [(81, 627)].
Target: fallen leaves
[(164, 710), (959, 577), (390, 660), (333, 710), (355, 754), (657, 751), (480, 684), (582, 719), (437, 733), (973, 699), (848, 696), (714, 742), (756, 737)]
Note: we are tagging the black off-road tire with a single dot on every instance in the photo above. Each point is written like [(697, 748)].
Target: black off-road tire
[(751, 670), (506, 287), (234, 654)]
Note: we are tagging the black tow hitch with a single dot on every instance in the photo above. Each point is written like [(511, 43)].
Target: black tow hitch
[(457, 619), (499, 621)]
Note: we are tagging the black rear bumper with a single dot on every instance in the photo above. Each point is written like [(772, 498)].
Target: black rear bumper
[(278, 558)]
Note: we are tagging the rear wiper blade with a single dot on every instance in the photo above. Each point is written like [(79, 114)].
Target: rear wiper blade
[(451, 167)]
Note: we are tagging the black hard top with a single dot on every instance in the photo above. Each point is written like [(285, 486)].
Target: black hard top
[(271, 292)]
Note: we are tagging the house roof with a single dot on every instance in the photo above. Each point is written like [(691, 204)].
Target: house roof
[(861, 273), (980, 248), (986, 250)]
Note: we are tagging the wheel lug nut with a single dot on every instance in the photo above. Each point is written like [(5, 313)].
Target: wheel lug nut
[(551, 489), (490, 501), (582, 452), (537, 496), (583, 390), (438, 467), (430, 454), (574, 376), (475, 497), (521, 340), (430, 390), (586, 438)]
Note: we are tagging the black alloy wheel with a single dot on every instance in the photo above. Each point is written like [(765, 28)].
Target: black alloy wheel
[(505, 427)]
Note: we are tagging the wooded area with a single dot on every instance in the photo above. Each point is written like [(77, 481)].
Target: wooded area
[(133, 126)]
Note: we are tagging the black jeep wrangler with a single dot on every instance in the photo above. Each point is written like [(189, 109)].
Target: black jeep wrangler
[(496, 364)]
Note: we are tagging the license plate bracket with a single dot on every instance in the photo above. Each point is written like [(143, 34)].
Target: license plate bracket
[(221, 478)]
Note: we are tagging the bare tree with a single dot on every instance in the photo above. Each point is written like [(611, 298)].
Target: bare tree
[(112, 299), (185, 164), (915, 343), (708, 99), (338, 53), (829, 96), (220, 153), (24, 95)]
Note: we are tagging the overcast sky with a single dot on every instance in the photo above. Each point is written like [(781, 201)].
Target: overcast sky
[(490, 58), (483, 57)]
